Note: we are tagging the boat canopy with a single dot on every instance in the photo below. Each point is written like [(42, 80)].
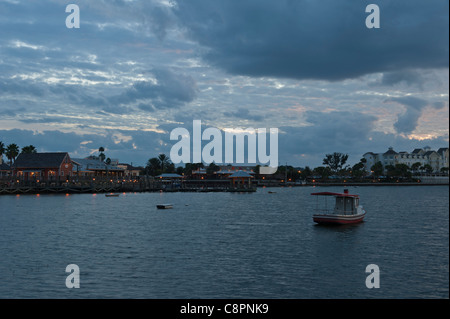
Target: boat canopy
[(335, 194)]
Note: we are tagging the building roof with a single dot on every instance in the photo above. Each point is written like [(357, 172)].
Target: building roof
[(169, 175), (40, 160), (4, 167), (224, 172), (442, 150), (429, 153), (417, 151), (200, 171), (88, 164), (240, 174), (390, 152), (131, 167), (232, 171)]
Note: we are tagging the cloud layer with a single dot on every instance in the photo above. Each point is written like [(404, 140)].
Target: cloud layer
[(137, 69), (317, 39)]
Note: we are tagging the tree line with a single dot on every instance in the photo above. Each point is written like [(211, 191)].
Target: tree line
[(163, 165), (335, 166), (12, 150)]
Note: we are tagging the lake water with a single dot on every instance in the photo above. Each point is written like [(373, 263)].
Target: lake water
[(224, 245)]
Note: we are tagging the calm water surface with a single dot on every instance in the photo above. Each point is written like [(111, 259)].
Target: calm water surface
[(224, 245)]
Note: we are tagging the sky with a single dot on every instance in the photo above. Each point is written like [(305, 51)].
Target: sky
[(135, 70)]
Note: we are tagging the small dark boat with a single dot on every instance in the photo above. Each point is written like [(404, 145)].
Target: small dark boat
[(164, 206)]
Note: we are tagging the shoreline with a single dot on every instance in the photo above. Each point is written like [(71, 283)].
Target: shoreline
[(89, 190)]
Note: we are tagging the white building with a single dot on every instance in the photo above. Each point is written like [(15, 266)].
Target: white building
[(426, 156)]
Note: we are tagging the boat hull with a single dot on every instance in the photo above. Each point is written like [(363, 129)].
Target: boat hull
[(338, 219), (164, 206)]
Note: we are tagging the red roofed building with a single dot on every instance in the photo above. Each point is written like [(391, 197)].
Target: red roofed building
[(43, 166)]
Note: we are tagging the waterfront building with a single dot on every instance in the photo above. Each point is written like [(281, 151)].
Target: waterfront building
[(5, 170), (43, 166), (199, 173), (426, 156), (130, 170), (170, 176), (226, 171), (241, 179), (95, 167), (443, 157)]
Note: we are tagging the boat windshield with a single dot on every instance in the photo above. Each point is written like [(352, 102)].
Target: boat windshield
[(342, 206)]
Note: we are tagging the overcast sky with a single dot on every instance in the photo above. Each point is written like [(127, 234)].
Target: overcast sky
[(137, 69)]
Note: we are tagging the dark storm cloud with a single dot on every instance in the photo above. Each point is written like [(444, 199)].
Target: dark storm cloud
[(408, 77), (342, 131), (170, 90), (408, 120), (325, 39), (55, 141), (345, 132)]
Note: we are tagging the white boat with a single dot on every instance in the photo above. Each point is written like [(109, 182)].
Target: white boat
[(346, 209), (164, 206)]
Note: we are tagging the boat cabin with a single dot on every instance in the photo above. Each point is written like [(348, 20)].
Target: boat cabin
[(345, 203)]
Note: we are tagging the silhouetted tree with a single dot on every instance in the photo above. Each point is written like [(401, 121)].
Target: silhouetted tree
[(358, 170), (306, 172), (377, 169), (2, 149), (30, 149), (212, 168), (12, 150), (324, 172), (335, 161), (164, 162), (153, 167)]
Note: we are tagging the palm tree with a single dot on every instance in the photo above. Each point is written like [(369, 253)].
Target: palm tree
[(153, 166), (30, 149), (164, 162), (12, 150), (2, 150)]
